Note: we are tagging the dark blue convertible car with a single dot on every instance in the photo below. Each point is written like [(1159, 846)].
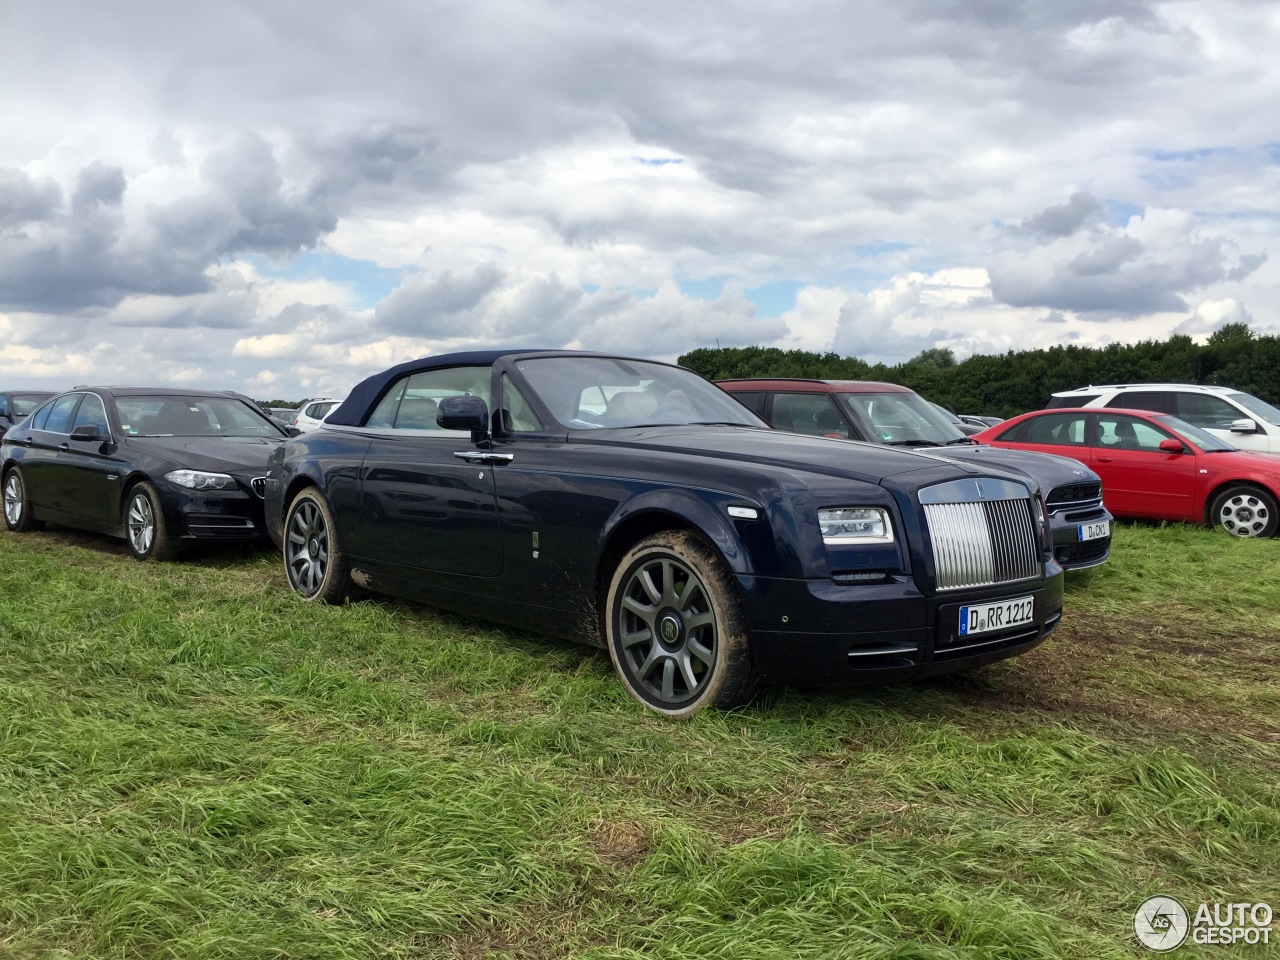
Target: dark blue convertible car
[(633, 505)]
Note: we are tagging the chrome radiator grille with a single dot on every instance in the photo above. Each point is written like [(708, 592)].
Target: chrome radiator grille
[(982, 543)]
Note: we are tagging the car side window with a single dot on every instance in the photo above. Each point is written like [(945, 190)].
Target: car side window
[(59, 419), (1055, 429), (41, 416), (518, 415), (812, 413), (1129, 433), (1158, 401), (384, 414), (1204, 410), (92, 414), (753, 400), (413, 402)]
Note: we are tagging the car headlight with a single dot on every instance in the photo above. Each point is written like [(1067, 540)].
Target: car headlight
[(200, 480), (855, 525)]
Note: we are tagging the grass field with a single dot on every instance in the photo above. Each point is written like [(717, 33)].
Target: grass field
[(194, 764)]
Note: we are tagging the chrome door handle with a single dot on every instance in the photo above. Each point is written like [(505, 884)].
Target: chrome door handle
[(484, 456), (64, 447)]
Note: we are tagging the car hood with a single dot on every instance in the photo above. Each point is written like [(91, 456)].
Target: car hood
[(216, 454), (869, 462), (1051, 471)]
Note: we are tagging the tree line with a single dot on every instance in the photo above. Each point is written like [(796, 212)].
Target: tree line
[(1015, 382)]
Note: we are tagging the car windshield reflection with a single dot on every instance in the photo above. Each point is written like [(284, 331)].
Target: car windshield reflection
[(901, 419), (169, 416), (592, 393)]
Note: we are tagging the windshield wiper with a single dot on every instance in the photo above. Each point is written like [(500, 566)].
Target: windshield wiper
[(913, 443), (962, 440)]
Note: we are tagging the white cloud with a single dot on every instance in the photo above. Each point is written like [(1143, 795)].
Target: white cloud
[(235, 194)]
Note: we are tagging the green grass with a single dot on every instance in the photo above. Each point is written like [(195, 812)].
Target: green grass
[(195, 764)]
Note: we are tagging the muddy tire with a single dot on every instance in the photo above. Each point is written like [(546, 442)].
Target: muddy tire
[(675, 627), (317, 568)]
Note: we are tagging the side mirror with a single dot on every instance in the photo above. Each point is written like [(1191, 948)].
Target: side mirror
[(1171, 445), (1244, 425), (293, 431), (464, 413), (88, 432)]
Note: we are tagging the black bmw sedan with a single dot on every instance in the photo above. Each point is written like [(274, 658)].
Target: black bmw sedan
[(633, 505), (157, 466)]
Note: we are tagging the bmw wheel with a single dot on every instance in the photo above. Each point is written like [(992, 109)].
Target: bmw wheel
[(17, 508), (313, 560), (1245, 512), (675, 627), (145, 529)]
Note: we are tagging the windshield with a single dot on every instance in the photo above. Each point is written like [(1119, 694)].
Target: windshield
[(587, 393), (24, 403), (192, 417), (1259, 408), (1203, 439), (902, 418)]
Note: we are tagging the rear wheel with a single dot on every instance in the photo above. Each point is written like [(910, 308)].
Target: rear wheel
[(675, 629), (313, 559), (1245, 512), (17, 508), (145, 529)]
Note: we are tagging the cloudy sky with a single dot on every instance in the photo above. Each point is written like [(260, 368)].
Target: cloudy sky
[(282, 197)]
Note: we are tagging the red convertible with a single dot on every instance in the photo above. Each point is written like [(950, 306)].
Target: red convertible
[(1155, 466)]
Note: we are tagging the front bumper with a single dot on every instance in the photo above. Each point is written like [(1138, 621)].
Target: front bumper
[(212, 514), (820, 633), (1069, 550)]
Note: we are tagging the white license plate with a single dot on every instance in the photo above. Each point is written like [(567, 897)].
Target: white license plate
[(985, 617), (1092, 531)]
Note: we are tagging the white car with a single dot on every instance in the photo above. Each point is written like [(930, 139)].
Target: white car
[(1240, 419), (311, 413)]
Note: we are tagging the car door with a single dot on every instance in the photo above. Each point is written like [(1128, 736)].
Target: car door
[(1062, 434), (423, 503), (50, 434), (1138, 478), (90, 471)]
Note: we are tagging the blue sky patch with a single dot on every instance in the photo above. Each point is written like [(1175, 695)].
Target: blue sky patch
[(708, 289), (1119, 212), (774, 299), (658, 161), (370, 282)]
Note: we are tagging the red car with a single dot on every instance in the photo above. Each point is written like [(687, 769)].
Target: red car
[(1155, 466)]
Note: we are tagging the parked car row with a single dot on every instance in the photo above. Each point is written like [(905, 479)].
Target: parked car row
[(633, 505)]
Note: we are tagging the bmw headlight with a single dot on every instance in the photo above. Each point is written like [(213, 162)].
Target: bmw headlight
[(200, 480), (855, 525)]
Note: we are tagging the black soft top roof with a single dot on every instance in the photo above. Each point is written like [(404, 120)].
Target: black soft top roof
[(366, 393)]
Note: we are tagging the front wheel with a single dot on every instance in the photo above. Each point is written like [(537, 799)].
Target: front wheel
[(145, 529), (675, 627), (1245, 512), (17, 507), (313, 559)]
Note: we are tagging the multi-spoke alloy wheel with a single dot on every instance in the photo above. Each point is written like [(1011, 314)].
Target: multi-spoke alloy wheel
[(313, 562), (17, 510), (675, 627), (145, 531), (1245, 512)]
